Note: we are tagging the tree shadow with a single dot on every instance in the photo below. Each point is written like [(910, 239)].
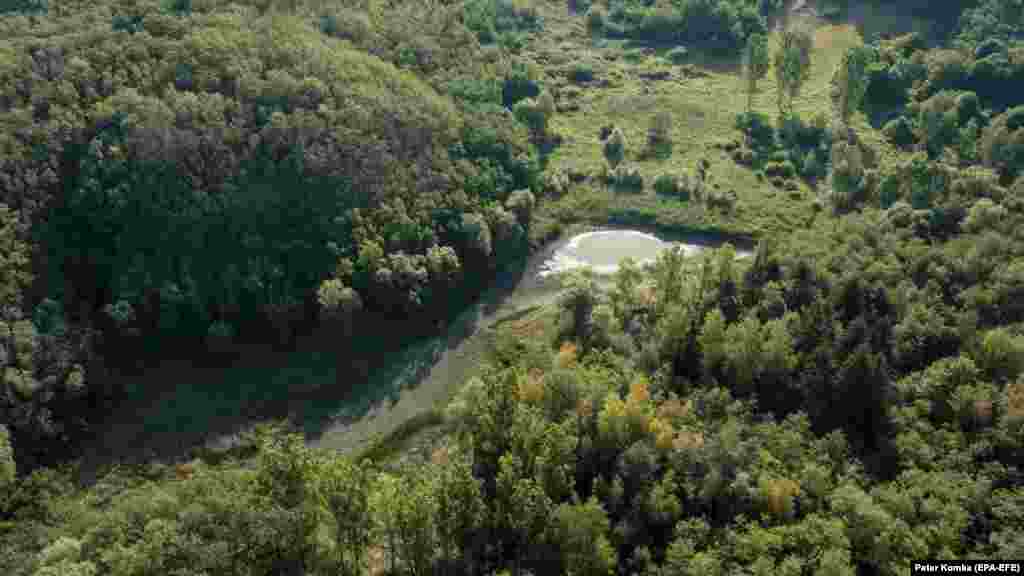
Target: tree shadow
[(170, 407)]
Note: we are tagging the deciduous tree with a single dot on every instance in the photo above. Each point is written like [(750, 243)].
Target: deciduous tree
[(756, 61)]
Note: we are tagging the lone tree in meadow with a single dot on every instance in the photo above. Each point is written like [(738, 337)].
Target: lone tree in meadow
[(850, 81), (792, 65), (755, 64), (615, 148)]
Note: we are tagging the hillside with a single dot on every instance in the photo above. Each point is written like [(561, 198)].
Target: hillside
[(847, 401)]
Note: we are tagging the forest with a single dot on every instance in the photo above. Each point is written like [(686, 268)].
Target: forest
[(204, 173)]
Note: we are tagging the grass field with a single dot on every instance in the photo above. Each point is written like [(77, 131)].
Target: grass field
[(703, 98)]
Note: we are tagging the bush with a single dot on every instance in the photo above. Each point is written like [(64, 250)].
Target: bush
[(350, 25), (666, 185), (1002, 147), (783, 169), (24, 6), (660, 25), (889, 191), (887, 88), (968, 107), (677, 55), (530, 113), (1015, 118), (579, 6), (989, 47), (726, 201), (634, 55), (758, 129), (947, 70), (813, 167), (983, 215), (711, 24), (582, 72), (595, 19), (519, 84), (938, 124), (899, 132), (555, 184), (627, 179)]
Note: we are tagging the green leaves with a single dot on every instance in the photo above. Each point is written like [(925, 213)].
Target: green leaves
[(615, 148), (850, 79), (756, 61), (581, 533), (7, 468), (792, 66)]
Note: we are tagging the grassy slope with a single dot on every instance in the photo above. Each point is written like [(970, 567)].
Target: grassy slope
[(704, 111)]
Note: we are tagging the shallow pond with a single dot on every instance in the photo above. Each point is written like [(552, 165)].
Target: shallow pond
[(603, 250)]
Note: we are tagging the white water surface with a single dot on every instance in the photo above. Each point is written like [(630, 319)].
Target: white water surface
[(604, 250)]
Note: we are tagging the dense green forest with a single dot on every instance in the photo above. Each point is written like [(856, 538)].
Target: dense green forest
[(198, 173)]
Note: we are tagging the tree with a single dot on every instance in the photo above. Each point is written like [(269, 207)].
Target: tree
[(62, 558), (850, 80), (792, 66), (521, 203), (14, 260), (337, 301), (344, 491), (615, 148), (847, 174), (7, 469), (577, 302), (581, 533), (460, 511), (756, 61), (521, 511), (284, 476)]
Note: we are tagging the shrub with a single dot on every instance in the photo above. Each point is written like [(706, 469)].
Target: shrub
[(595, 19), (947, 69), (634, 55), (889, 191), (784, 169), (968, 107), (627, 178), (1015, 118), (989, 47), (813, 167), (884, 90), (579, 6), (350, 25), (530, 113), (660, 25), (521, 203), (1002, 147), (726, 201), (758, 129), (582, 72), (520, 83), (677, 55), (899, 132), (24, 6), (938, 121), (984, 214), (555, 184), (666, 185)]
